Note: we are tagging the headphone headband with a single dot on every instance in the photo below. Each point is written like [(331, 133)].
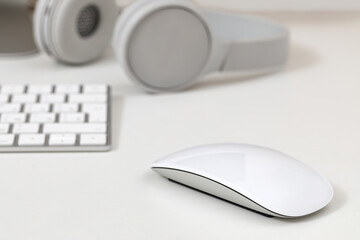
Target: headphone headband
[(254, 45)]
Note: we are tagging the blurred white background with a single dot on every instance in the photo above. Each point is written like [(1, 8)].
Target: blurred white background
[(277, 5)]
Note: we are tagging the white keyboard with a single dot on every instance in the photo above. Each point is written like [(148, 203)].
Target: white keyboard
[(54, 118)]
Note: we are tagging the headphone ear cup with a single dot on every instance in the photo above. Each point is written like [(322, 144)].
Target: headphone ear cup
[(75, 31), (38, 26), (163, 45)]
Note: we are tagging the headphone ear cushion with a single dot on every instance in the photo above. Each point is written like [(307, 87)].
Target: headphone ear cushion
[(76, 31), (163, 45)]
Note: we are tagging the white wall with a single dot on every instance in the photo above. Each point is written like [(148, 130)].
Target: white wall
[(284, 5), (278, 5)]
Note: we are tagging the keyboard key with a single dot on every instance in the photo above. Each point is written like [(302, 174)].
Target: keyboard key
[(4, 128), (52, 98), (95, 88), (66, 108), (26, 128), (13, 118), (4, 98), (89, 108), (68, 88), (24, 98), (13, 88), (62, 139), (31, 140), (92, 139), (88, 98), (96, 112), (7, 139), (40, 89), (37, 108), (74, 128), (99, 117), (10, 108), (42, 117), (72, 117)]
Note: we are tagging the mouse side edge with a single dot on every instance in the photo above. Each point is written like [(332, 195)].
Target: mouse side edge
[(215, 189)]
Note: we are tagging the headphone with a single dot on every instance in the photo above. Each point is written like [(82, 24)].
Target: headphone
[(163, 45)]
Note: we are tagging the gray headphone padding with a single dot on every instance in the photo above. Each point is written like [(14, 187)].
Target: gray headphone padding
[(168, 49), (60, 35), (183, 67)]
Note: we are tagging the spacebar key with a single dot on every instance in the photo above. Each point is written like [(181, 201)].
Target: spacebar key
[(74, 128)]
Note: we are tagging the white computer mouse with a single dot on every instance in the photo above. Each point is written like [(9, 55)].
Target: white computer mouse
[(257, 178)]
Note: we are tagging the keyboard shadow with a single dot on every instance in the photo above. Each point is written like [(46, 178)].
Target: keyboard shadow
[(117, 107)]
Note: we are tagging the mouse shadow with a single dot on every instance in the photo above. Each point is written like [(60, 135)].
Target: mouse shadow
[(300, 57), (338, 201)]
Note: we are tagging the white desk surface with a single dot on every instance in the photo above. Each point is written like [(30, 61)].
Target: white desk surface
[(310, 111)]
